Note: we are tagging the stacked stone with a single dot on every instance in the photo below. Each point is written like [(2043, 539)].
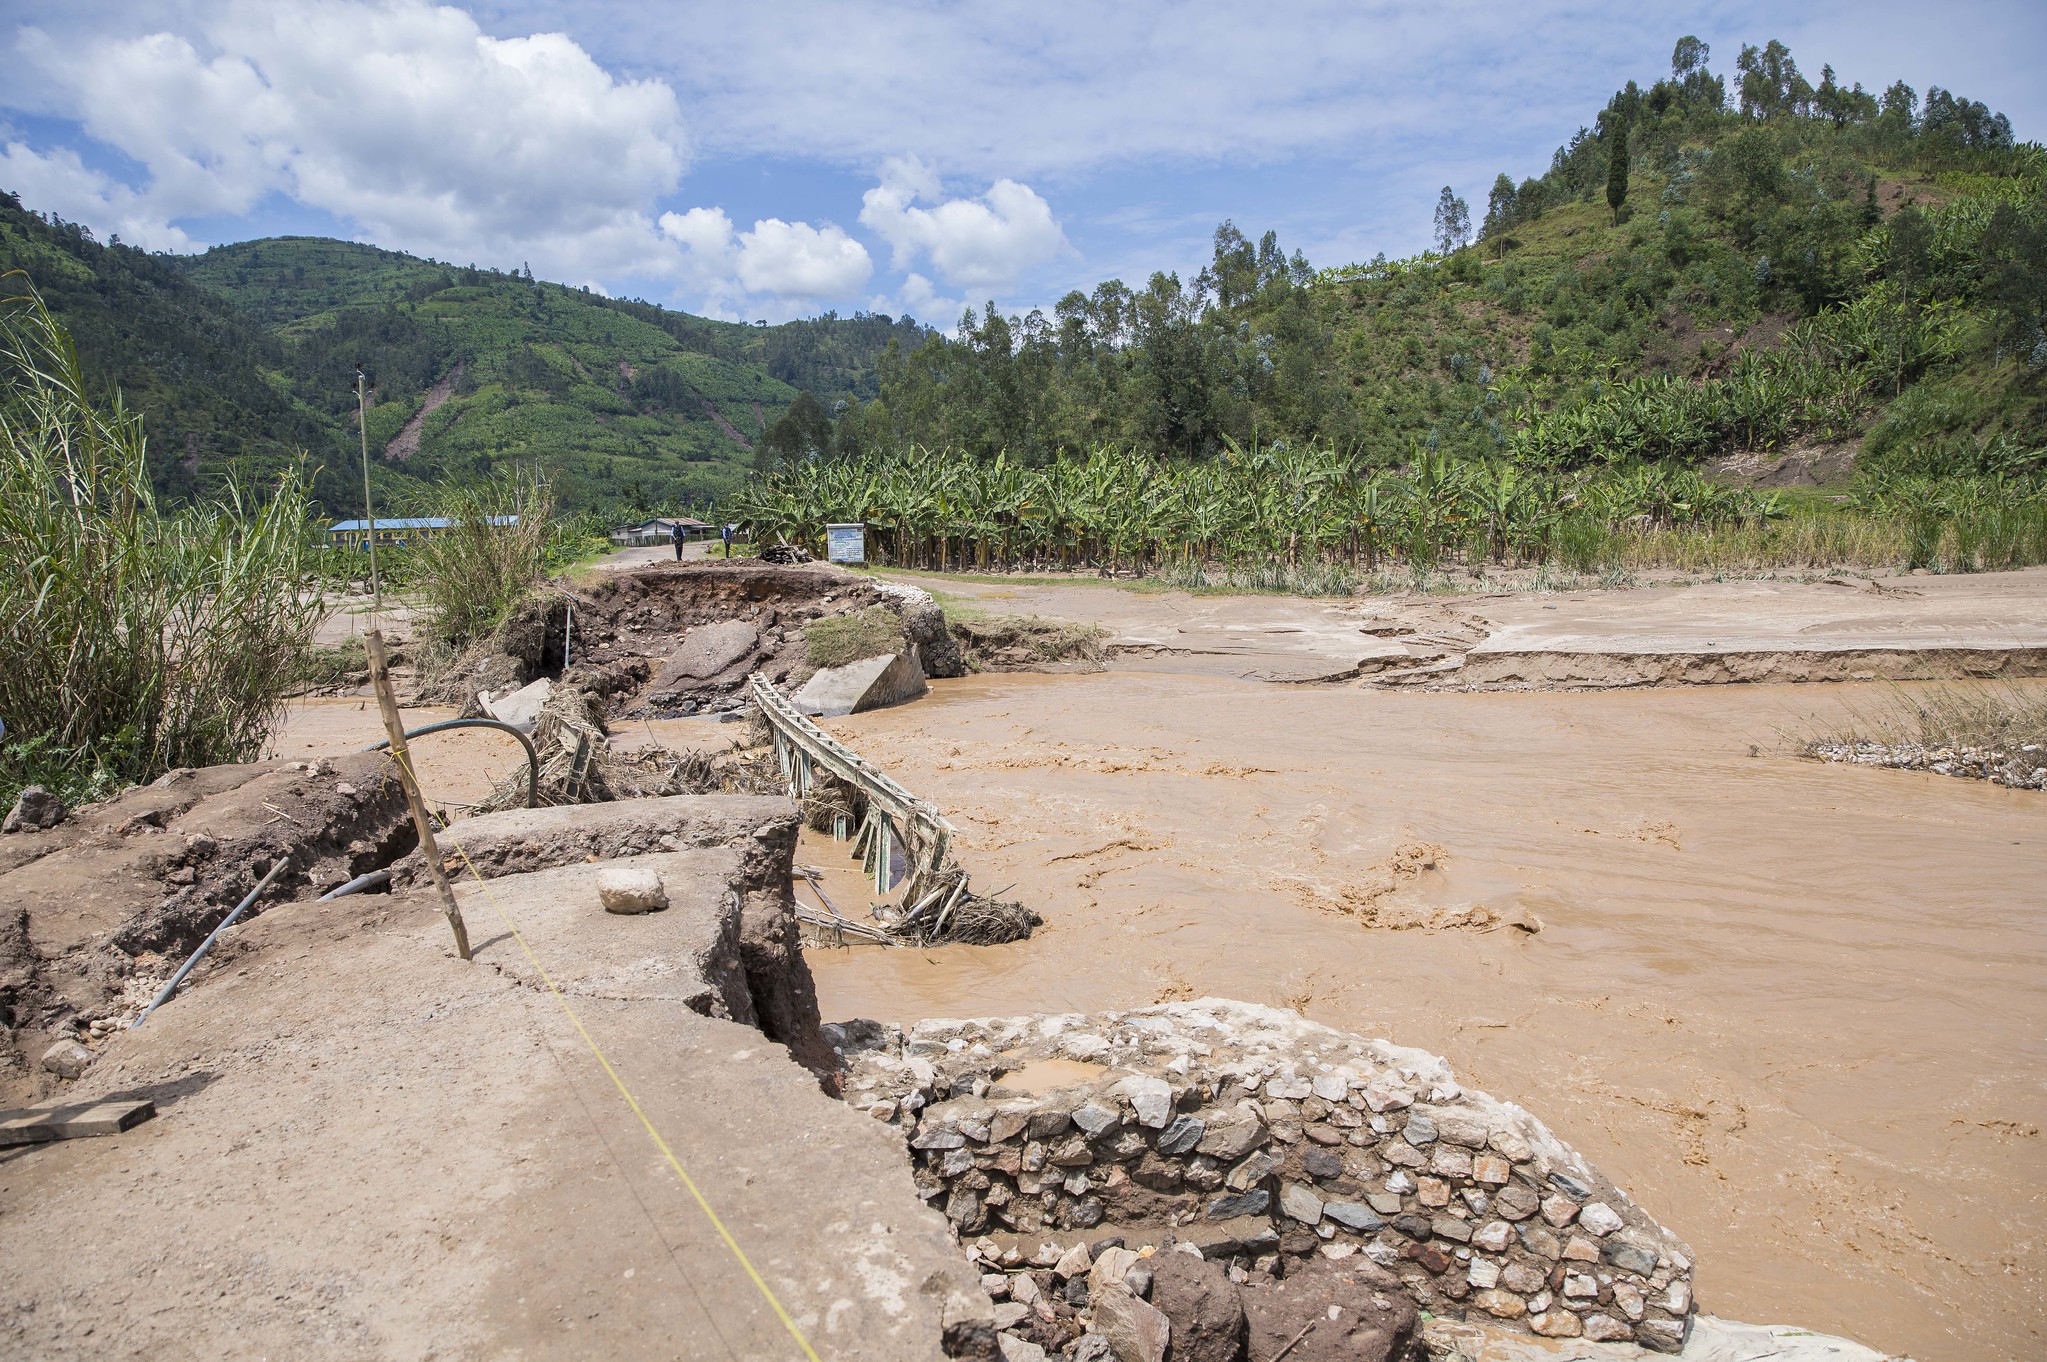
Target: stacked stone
[(1262, 1139)]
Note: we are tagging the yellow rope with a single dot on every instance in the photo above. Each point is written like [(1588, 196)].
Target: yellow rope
[(653, 1134)]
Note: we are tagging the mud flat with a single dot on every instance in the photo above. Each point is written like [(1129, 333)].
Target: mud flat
[(1843, 628), (1794, 1008)]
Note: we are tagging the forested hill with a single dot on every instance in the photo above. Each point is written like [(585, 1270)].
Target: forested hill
[(241, 357), (1713, 264)]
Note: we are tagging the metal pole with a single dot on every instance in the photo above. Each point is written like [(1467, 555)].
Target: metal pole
[(362, 425), (276, 869)]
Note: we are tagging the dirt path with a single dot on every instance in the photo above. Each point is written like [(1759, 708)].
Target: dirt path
[(1794, 1008), (624, 560)]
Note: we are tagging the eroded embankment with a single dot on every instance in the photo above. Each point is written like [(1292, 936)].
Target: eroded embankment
[(1838, 628), (679, 639), (365, 1143), (97, 912)]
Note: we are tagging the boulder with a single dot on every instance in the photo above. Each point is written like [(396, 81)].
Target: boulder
[(1200, 1302), (1136, 1332), (35, 810), (710, 649), (1350, 1310), (871, 683), (631, 889)]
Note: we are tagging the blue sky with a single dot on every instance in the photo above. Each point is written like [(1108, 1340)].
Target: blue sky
[(778, 159)]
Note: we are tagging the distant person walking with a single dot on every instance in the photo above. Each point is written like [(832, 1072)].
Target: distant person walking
[(675, 533)]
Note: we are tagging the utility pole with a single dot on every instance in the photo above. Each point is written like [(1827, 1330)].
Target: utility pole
[(362, 425)]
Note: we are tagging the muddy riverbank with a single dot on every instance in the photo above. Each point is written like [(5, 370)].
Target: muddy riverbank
[(1793, 1008), (1821, 628)]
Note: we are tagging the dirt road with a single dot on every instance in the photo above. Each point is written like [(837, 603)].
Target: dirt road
[(1794, 1008)]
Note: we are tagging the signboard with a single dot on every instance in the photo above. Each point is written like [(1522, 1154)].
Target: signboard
[(846, 543)]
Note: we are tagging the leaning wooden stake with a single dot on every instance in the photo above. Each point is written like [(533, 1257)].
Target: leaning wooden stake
[(380, 681)]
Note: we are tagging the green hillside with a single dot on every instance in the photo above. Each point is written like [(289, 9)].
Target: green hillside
[(203, 373), (1713, 267), (243, 356)]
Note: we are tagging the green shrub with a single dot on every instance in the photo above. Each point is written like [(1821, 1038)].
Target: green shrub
[(471, 575)]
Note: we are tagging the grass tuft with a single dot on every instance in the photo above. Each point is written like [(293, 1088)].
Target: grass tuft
[(837, 640)]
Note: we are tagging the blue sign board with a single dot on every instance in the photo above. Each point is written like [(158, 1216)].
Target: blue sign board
[(846, 543)]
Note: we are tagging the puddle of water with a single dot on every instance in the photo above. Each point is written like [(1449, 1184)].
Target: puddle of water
[(1049, 1075)]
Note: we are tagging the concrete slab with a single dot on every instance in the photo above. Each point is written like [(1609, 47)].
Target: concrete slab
[(369, 1148), (519, 708), (687, 952), (517, 841), (871, 683)]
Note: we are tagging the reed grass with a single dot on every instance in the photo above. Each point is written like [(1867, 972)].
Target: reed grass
[(470, 576), (133, 638)]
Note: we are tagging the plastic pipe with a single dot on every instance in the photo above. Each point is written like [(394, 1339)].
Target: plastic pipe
[(276, 869), (532, 757)]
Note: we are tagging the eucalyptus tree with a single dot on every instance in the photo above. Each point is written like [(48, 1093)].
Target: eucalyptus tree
[(1453, 221)]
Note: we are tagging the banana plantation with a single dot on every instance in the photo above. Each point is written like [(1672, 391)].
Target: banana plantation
[(1307, 508)]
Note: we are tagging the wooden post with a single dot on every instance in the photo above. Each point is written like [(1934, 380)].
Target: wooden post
[(380, 681)]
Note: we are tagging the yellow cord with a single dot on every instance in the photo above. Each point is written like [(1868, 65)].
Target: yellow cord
[(688, 1182)]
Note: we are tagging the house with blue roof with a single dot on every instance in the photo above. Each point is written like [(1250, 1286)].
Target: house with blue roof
[(397, 531)]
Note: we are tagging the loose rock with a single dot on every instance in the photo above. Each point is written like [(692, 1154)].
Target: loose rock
[(1201, 1305), (630, 889), (35, 810), (1135, 1330), (67, 1059)]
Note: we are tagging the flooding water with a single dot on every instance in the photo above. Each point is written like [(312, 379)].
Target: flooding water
[(1799, 1011)]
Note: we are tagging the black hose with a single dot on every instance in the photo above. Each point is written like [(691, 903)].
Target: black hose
[(532, 757)]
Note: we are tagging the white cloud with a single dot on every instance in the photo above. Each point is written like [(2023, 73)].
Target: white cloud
[(971, 243), (784, 264), (919, 298), (406, 120), (61, 183), (795, 259)]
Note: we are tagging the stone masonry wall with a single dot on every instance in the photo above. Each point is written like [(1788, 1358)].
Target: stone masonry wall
[(1263, 1138)]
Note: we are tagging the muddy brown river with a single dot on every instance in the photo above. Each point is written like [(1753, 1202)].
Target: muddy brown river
[(1799, 1011)]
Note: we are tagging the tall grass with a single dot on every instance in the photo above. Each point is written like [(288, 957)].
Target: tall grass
[(470, 576), (133, 638)]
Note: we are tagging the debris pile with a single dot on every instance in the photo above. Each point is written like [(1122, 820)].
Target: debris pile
[(2022, 768), (1275, 1148)]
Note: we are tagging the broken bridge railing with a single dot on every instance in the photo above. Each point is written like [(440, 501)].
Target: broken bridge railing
[(893, 817)]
